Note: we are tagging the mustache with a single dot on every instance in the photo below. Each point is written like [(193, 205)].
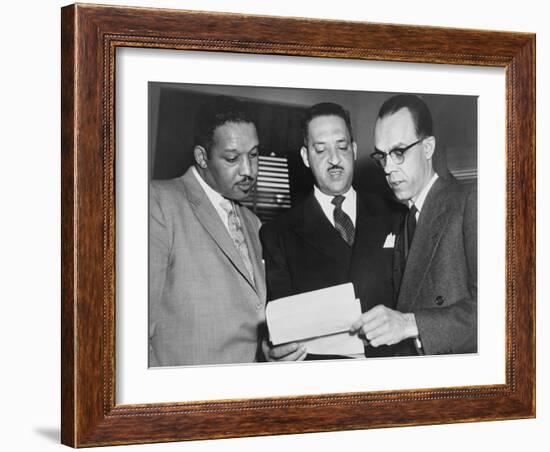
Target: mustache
[(246, 179), (338, 167)]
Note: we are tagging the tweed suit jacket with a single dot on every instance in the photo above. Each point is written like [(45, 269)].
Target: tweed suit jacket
[(203, 306), (439, 277), (304, 252)]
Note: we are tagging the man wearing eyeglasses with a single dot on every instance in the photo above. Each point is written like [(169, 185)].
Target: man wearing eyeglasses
[(436, 251)]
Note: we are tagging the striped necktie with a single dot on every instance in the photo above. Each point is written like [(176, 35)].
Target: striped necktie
[(342, 222), (236, 233)]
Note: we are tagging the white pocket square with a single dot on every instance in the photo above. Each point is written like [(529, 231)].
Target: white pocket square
[(390, 241)]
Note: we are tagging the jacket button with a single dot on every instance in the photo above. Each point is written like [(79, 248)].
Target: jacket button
[(439, 300)]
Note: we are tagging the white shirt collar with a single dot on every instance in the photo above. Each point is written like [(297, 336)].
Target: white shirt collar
[(349, 205), (213, 196), (422, 196)]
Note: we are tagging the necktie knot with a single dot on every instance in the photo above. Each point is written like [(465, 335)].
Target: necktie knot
[(338, 201), (226, 205)]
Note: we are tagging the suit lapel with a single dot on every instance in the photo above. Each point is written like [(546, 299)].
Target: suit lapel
[(398, 263), (368, 228), (212, 223), (431, 226), (317, 231), (254, 250)]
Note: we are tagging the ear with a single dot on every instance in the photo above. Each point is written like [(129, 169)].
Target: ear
[(354, 148), (429, 147), (303, 153), (200, 156)]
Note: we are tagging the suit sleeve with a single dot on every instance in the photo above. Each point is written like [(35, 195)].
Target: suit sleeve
[(453, 329), (159, 256), (278, 279)]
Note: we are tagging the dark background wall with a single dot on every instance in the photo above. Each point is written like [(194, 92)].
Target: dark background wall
[(172, 109)]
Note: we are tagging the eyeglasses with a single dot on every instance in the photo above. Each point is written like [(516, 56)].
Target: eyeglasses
[(396, 154)]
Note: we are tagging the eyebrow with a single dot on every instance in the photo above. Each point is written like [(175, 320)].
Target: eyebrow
[(397, 146), (236, 151), (338, 140)]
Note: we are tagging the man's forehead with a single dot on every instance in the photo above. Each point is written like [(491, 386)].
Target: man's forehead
[(395, 126), (234, 132), (402, 118), (327, 124), (234, 125)]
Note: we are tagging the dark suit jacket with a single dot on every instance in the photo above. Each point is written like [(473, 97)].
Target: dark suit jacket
[(439, 278), (304, 252)]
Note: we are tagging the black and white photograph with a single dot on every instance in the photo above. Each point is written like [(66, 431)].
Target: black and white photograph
[(234, 225), (293, 224)]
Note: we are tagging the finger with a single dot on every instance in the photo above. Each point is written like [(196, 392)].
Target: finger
[(374, 324), (280, 351), (265, 348), (355, 326), (376, 332), (298, 355), (383, 339), (366, 317)]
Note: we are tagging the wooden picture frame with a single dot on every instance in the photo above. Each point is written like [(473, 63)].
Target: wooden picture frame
[(90, 37)]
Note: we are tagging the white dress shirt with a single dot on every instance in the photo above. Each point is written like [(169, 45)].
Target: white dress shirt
[(349, 206), (422, 196), (214, 197)]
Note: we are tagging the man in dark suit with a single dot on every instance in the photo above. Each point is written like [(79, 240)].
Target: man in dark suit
[(206, 279), (336, 235), (436, 253)]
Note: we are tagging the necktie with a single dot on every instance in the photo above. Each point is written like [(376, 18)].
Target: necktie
[(236, 233), (411, 224), (342, 222)]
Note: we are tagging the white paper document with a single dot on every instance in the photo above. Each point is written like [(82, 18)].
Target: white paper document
[(319, 319)]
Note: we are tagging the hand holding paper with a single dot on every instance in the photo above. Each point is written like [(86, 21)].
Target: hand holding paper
[(293, 351), (320, 320)]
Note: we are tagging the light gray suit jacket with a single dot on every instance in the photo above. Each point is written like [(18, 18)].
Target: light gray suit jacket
[(203, 306), (439, 281)]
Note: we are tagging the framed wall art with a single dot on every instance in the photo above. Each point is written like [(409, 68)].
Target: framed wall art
[(164, 334)]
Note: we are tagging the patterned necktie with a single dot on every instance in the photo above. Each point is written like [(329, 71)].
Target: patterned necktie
[(411, 224), (342, 222), (236, 233)]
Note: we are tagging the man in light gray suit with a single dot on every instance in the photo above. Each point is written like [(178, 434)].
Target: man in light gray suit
[(207, 283), (436, 252)]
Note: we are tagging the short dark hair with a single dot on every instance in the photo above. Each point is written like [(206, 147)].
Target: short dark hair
[(420, 112), (217, 112), (325, 109)]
